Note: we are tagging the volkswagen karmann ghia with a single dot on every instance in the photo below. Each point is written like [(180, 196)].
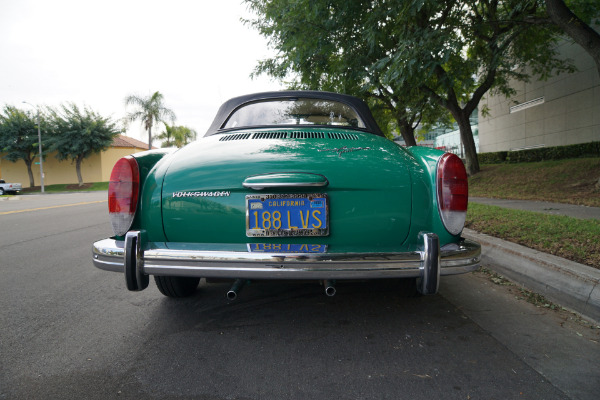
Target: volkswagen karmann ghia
[(298, 185)]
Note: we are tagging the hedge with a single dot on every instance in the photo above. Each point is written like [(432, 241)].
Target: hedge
[(591, 149)]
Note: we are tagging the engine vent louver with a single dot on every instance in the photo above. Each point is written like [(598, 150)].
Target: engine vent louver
[(289, 135), (307, 135), (269, 135), (344, 136), (238, 136)]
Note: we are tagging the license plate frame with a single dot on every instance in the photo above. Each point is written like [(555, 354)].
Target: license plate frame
[(314, 224)]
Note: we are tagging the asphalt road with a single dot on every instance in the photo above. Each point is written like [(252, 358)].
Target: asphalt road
[(71, 331)]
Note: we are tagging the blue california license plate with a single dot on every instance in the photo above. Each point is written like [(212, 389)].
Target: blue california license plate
[(269, 215), (286, 248)]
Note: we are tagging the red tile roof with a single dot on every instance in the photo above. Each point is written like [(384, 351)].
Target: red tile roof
[(125, 141)]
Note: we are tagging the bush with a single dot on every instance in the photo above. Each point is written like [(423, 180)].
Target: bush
[(493, 158), (581, 150)]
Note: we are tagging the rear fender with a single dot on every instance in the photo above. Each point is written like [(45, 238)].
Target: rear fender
[(149, 163), (426, 218)]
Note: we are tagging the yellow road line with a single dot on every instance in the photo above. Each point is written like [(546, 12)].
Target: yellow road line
[(49, 207)]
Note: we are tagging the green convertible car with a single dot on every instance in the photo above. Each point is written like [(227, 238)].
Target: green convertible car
[(297, 185)]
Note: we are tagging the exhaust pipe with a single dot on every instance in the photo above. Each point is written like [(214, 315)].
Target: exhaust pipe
[(235, 289), (329, 287)]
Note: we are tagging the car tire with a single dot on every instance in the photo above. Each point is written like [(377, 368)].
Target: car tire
[(176, 286), (1, 191)]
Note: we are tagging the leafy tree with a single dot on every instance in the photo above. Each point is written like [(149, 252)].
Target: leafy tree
[(149, 110), (474, 47), (177, 136), (77, 134), (459, 50), (336, 46), (570, 22), (411, 55), (19, 137)]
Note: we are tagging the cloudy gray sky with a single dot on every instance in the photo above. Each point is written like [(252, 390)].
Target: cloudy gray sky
[(95, 53)]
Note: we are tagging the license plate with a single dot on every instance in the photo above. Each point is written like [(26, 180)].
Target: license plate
[(269, 215), (286, 248)]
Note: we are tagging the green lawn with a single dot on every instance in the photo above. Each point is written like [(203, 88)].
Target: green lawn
[(68, 188), (566, 237), (572, 181)]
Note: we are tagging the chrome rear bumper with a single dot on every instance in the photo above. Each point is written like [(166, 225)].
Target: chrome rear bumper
[(428, 264)]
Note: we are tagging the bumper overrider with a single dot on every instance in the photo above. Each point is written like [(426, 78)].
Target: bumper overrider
[(127, 256)]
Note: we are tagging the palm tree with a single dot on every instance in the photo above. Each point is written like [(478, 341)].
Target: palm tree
[(167, 135), (149, 110), (177, 136), (184, 135)]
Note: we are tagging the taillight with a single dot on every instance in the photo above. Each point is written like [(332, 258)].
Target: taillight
[(123, 191), (452, 192)]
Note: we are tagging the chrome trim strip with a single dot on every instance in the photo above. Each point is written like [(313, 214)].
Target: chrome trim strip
[(108, 254), (283, 184), (262, 185)]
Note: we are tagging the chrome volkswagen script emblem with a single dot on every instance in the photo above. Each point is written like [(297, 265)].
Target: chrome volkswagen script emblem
[(201, 194)]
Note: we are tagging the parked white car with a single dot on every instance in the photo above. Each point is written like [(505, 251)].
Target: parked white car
[(9, 187)]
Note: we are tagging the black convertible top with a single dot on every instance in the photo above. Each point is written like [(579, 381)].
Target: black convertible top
[(233, 104)]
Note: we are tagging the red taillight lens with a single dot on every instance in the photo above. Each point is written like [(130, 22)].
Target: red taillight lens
[(123, 191), (452, 192)]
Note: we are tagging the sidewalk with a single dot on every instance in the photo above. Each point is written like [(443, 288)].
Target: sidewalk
[(570, 284), (570, 210)]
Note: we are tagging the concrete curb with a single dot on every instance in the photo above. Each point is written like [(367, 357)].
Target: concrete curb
[(572, 285)]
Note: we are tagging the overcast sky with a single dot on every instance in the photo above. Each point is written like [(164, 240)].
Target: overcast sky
[(95, 53)]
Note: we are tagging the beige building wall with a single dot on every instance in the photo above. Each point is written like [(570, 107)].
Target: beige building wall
[(109, 158), (568, 111), (96, 168)]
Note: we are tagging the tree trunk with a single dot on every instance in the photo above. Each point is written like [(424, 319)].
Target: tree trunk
[(575, 28), (407, 131), (30, 172), (462, 115), (149, 138), (466, 135), (78, 169)]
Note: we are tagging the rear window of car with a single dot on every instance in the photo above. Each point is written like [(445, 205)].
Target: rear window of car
[(301, 111)]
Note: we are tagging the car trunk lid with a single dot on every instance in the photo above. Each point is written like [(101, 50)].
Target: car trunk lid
[(365, 179)]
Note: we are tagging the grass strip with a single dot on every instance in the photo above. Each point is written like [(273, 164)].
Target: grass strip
[(572, 181), (566, 237), (64, 187)]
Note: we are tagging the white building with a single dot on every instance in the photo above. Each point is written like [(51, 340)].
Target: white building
[(560, 111)]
